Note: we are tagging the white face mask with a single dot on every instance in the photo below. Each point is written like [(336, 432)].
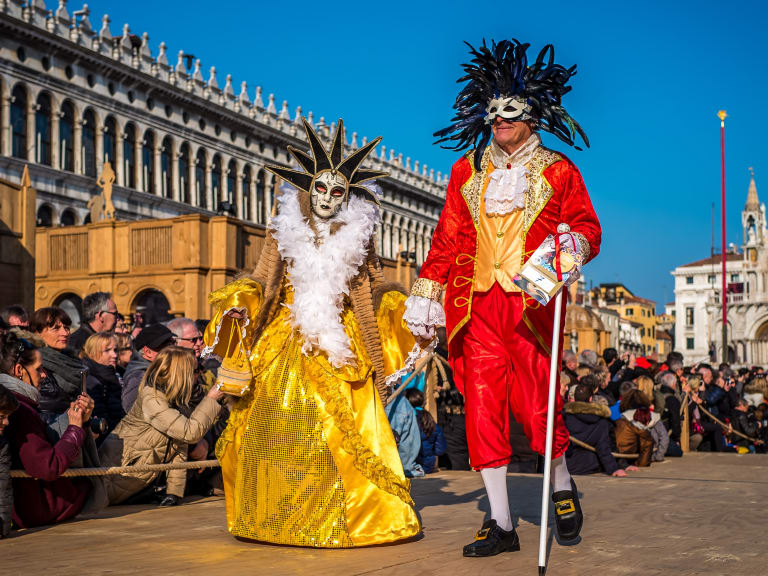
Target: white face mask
[(508, 108), (328, 193)]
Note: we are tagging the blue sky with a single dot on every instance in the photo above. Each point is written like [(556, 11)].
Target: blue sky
[(652, 76)]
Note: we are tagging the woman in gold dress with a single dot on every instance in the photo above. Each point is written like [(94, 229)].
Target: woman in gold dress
[(308, 457)]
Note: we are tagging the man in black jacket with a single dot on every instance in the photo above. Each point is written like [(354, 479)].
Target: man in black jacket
[(745, 422), (589, 423), (667, 401), (99, 315)]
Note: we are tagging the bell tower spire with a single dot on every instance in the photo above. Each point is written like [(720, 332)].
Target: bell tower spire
[(753, 219)]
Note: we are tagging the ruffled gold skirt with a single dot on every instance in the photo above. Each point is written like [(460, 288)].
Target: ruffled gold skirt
[(308, 457)]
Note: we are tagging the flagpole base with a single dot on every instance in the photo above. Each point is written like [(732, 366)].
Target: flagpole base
[(542, 570)]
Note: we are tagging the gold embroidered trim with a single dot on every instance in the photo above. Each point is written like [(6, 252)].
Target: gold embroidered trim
[(472, 188), (539, 190), (464, 281), (426, 288), (465, 262), (583, 246), (364, 459)]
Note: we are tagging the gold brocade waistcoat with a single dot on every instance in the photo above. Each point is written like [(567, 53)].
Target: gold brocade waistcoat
[(499, 246)]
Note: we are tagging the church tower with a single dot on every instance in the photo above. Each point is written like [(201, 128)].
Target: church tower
[(753, 222)]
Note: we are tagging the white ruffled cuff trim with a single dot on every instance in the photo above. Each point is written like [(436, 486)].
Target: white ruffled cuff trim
[(422, 315), (413, 356)]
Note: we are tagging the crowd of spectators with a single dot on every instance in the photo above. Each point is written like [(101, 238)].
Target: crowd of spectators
[(113, 394), (106, 394)]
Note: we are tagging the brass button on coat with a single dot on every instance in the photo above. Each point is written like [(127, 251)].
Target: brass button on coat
[(496, 265)]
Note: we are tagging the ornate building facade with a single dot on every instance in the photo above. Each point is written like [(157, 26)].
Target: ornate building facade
[(698, 297), (181, 141)]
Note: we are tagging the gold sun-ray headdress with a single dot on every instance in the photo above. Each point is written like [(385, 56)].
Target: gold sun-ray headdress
[(332, 161)]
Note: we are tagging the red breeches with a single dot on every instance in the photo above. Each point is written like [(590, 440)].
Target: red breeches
[(505, 370)]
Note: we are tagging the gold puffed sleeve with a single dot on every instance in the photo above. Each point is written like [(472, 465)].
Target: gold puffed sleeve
[(396, 340), (243, 295)]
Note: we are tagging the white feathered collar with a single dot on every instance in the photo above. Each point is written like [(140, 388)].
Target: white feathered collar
[(321, 275)]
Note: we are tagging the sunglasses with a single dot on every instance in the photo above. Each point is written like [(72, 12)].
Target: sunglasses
[(196, 339)]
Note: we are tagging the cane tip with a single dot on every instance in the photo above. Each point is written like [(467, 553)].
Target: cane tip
[(542, 570)]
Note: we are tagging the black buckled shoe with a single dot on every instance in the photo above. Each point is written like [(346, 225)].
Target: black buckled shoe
[(568, 515), (492, 540)]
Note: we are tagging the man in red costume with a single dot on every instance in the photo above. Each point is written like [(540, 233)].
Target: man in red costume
[(504, 198)]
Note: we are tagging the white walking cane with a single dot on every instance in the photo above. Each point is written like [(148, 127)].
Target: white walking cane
[(553, 370)]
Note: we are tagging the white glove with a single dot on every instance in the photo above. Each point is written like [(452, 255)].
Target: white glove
[(422, 315)]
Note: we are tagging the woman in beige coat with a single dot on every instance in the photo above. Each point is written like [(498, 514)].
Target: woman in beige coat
[(159, 427)]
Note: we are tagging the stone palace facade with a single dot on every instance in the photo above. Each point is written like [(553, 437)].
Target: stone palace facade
[(180, 140)]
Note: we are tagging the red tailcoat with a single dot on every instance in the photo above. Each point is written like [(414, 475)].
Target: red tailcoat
[(556, 194)]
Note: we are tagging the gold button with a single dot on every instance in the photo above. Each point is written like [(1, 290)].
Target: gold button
[(497, 265), (499, 234)]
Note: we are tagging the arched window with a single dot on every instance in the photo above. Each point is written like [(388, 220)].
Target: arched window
[(216, 181), (45, 216), (110, 141), (246, 184), (19, 122), (68, 217), (200, 191), (129, 156), (43, 129), (184, 195), (67, 137), (260, 188), (147, 164), (166, 168), (231, 174), (88, 150)]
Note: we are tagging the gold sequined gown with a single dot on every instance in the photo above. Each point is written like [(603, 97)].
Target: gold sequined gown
[(308, 457)]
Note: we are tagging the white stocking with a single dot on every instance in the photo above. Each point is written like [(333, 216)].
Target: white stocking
[(495, 480), (561, 478)]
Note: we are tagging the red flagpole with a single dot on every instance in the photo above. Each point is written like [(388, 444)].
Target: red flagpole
[(722, 115)]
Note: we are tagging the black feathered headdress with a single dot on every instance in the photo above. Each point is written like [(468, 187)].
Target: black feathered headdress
[(321, 160), (502, 70)]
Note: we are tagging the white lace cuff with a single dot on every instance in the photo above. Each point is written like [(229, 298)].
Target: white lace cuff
[(422, 315)]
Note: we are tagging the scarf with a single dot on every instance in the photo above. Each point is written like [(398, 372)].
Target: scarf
[(321, 268), (65, 368), (20, 387)]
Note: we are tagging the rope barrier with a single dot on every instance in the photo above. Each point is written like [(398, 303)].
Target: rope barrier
[(114, 470), (725, 426), (586, 446)]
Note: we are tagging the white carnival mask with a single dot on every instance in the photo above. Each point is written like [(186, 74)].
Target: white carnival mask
[(328, 193), (508, 108)]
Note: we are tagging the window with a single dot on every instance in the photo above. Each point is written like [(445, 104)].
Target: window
[(231, 174), (689, 344), (246, 209), (642, 332), (734, 277), (110, 142), (184, 174), (200, 188), (129, 160), (66, 137), (260, 193), (216, 181), (711, 279), (88, 150), (165, 168), (19, 122), (43, 130), (630, 312), (689, 316), (689, 279), (147, 163)]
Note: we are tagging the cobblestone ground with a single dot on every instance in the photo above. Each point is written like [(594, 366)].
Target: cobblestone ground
[(702, 514)]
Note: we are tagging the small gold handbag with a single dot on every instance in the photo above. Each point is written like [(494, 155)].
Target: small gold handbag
[(234, 375)]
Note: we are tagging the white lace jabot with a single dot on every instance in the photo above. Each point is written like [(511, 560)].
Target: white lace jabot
[(508, 183)]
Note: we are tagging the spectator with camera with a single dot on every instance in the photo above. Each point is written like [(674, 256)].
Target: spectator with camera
[(99, 315), (8, 405), (47, 497), (149, 342), (743, 420), (104, 386), (159, 427), (61, 385)]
